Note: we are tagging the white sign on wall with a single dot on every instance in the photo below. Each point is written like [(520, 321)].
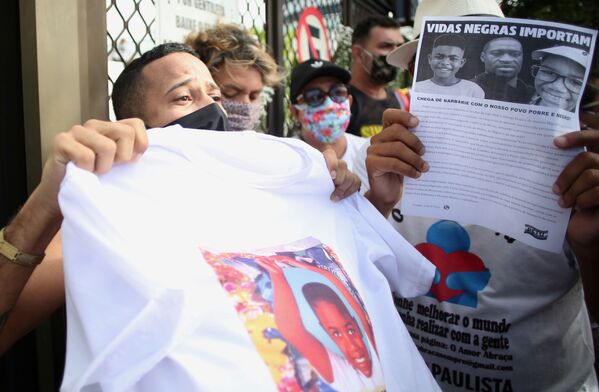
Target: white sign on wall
[(177, 18)]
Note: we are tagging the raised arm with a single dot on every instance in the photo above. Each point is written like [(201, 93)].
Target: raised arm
[(96, 146)]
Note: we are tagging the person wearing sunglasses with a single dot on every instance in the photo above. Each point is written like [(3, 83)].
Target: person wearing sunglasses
[(559, 76), (320, 106), (167, 85)]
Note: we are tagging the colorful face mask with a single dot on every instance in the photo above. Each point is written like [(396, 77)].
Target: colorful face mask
[(327, 122), (242, 116)]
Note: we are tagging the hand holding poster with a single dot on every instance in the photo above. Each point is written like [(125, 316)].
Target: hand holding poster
[(491, 96)]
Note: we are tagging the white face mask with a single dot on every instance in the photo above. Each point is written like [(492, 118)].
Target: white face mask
[(242, 116)]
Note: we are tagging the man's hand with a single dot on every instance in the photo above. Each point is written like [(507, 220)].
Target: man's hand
[(393, 153), (346, 182), (95, 146), (578, 186)]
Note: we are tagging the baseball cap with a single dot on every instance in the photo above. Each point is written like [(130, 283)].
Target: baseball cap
[(401, 56), (577, 55), (311, 69)]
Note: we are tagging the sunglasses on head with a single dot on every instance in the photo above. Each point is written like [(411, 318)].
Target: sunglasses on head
[(315, 96)]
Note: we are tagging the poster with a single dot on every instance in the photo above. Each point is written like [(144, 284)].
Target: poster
[(491, 95)]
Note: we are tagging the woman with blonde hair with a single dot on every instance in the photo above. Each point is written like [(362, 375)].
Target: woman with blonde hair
[(241, 67)]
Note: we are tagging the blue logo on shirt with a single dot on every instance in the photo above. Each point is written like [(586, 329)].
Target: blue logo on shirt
[(460, 274)]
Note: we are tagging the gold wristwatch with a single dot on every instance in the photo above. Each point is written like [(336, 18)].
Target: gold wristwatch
[(14, 255)]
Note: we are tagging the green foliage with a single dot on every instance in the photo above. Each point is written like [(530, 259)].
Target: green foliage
[(342, 56), (259, 33), (583, 13)]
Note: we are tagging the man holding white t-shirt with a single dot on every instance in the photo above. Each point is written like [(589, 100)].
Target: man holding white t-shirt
[(172, 86), (166, 301)]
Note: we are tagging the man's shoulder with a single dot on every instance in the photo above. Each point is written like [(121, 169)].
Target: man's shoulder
[(471, 88), (425, 82), (470, 83), (353, 90), (426, 86), (360, 95), (521, 84), (481, 78)]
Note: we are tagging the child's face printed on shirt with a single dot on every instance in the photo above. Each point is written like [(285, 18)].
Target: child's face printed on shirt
[(446, 61), (346, 334)]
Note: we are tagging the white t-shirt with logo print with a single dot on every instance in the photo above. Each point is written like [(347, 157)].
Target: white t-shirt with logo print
[(177, 267), (500, 315)]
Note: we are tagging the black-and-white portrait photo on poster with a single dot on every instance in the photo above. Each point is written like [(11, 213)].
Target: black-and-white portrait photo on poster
[(511, 60)]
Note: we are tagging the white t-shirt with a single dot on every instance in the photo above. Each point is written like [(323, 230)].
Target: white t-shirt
[(464, 88), (354, 145), (500, 315), (218, 262)]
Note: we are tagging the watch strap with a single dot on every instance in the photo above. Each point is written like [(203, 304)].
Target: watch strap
[(14, 255)]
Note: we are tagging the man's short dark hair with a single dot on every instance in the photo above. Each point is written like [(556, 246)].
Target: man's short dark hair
[(486, 47), (450, 40), (129, 88), (362, 29)]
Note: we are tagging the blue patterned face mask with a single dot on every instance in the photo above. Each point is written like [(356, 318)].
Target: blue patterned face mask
[(326, 122)]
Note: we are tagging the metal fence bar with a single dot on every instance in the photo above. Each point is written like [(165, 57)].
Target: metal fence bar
[(274, 39)]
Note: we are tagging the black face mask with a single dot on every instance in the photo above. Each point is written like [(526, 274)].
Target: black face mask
[(210, 117), (381, 71)]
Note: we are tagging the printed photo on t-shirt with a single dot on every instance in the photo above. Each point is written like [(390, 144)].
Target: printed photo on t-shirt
[(304, 316)]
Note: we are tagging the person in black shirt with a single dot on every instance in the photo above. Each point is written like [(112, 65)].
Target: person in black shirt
[(373, 38)]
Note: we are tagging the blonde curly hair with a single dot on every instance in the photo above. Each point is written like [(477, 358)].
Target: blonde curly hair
[(230, 44)]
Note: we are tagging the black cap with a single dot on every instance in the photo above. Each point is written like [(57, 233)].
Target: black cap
[(312, 69)]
